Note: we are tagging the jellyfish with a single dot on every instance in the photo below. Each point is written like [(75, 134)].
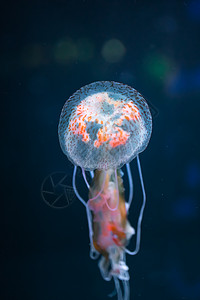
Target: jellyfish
[(104, 126)]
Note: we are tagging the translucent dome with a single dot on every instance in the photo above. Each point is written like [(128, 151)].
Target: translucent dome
[(104, 125)]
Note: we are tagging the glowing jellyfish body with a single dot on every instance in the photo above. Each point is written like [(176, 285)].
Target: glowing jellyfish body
[(103, 126)]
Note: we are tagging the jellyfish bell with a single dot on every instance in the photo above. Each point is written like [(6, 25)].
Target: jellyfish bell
[(104, 125)]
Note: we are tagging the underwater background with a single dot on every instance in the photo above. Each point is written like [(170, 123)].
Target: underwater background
[(49, 49)]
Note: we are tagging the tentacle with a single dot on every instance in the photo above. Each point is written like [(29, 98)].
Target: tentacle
[(138, 237), (75, 189), (84, 176), (130, 179), (126, 289), (93, 253), (118, 288)]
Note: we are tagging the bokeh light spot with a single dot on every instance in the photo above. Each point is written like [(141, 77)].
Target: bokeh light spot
[(158, 66), (194, 10), (185, 208), (113, 51), (183, 82), (65, 51), (193, 175)]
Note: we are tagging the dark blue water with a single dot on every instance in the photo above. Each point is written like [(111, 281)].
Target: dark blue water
[(49, 49)]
